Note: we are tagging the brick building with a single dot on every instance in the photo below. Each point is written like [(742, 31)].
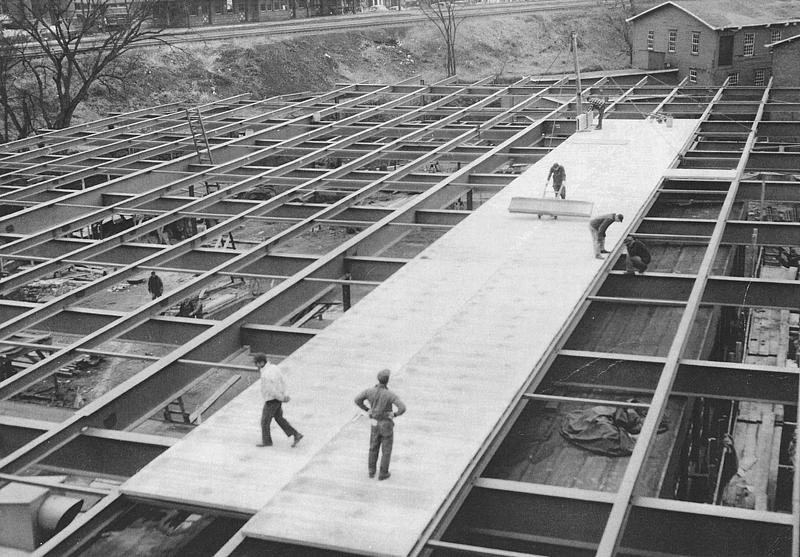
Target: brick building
[(786, 62), (712, 40)]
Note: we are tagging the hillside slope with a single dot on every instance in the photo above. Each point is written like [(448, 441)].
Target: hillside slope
[(513, 45)]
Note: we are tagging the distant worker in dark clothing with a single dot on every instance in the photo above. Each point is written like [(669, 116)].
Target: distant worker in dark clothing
[(273, 391), (598, 227), (154, 285), (559, 175), (638, 256), (382, 415), (598, 105)]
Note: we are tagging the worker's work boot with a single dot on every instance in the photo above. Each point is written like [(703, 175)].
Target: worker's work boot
[(297, 438), (385, 476)]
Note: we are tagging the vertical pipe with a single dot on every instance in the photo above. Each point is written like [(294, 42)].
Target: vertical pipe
[(469, 201), (579, 101)]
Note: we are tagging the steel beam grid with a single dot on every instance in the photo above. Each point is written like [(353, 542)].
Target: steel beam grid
[(199, 204), (632, 373), (147, 226), (618, 517), (107, 135), (23, 380), (153, 174), (431, 197), (54, 439), (738, 381), (89, 158), (13, 147)]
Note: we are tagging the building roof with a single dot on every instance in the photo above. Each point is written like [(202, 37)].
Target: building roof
[(783, 42), (731, 14)]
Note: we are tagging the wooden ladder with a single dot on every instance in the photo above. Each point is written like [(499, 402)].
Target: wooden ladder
[(199, 136)]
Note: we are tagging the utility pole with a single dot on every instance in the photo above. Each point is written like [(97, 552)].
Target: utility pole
[(579, 103)]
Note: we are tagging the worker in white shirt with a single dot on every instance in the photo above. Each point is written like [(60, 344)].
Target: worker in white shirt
[(273, 391)]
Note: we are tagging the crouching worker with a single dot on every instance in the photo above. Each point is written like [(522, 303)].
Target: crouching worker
[(638, 257)]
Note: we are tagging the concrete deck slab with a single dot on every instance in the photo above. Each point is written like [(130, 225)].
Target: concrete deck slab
[(461, 326)]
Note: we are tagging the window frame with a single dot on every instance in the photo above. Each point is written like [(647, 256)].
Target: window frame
[(695, 43), (692, 75), (751, 43), (760, 75), (672, 40), (775, 34), (734, 78), (651, 39)]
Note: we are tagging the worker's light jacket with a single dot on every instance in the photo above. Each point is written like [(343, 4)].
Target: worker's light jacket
[(273, 383)]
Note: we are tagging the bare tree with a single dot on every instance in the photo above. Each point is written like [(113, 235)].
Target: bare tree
[(615, 14), (64, 48), (444, 16)]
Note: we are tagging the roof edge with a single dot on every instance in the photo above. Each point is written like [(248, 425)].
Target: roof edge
[(678, 6)]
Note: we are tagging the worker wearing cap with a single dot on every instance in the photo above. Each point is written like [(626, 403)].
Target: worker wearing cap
[(382, 413), (638, 257), (598, 227)]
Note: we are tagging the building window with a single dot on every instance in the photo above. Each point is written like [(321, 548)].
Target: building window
[(692, 75), (673, 38), (749, 43), (775, 35), (758, 78), (733, 78), (218, 7), (695, 42), (651, 39), (263, 6)]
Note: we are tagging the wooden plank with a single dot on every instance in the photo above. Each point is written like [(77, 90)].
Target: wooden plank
[(774, 459), (763, 452), (196, 416), (783, 338)]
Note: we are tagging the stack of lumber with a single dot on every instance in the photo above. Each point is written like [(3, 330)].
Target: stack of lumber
[(757, 438)]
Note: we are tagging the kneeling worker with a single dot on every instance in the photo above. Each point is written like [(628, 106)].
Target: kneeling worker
[(638, 256)]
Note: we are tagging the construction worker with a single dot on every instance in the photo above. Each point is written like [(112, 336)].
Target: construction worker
[(638, 257), (598, 227), (381, 400), (154, 285), (598, 105), (559, 176), (273, 391)]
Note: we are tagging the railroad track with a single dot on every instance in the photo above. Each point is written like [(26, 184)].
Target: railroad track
[(333, 24)]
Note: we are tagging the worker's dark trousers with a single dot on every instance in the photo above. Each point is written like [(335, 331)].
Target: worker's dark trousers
[(272, 409), (381, 437), (634, 263)]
